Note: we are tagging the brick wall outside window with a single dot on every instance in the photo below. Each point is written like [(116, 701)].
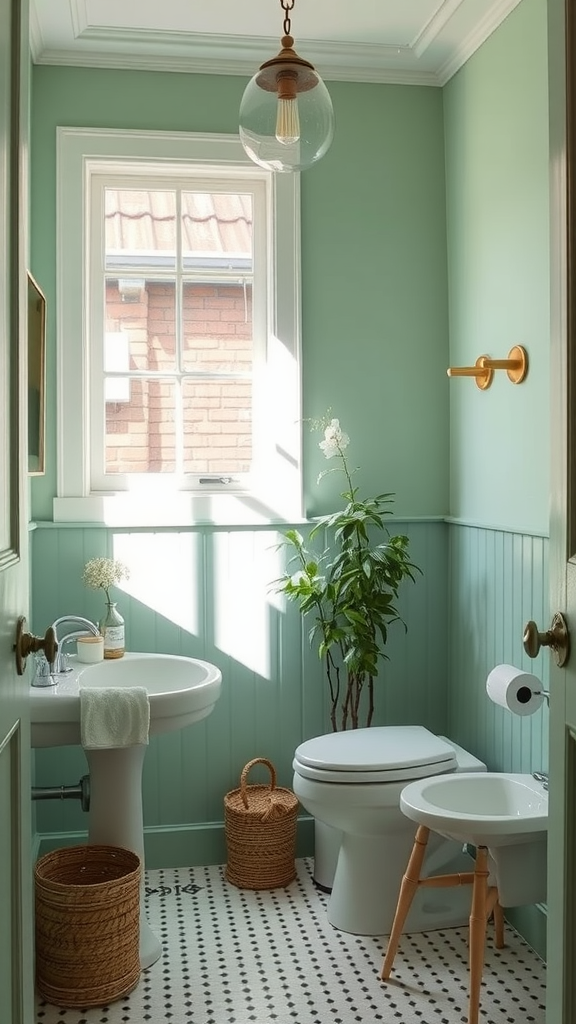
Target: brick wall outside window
[(214, 414)]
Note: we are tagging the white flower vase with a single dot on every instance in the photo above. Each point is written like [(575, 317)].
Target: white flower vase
[(112, 629)]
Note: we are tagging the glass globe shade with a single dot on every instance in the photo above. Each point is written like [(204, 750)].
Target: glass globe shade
[(286, 134)]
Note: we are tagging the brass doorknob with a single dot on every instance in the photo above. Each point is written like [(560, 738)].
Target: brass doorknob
[(557, 638), (27, 643)]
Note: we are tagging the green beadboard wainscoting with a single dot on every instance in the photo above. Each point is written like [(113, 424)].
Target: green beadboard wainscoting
[(498, 581), (205, 593)]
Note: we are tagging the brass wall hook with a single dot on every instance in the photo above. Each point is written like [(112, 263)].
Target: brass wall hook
[(516, 366), (481, 371)]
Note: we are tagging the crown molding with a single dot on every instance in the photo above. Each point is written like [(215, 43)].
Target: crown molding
[(35, 30), (434, 56), (218, 55), (434, 26), (474, 40)]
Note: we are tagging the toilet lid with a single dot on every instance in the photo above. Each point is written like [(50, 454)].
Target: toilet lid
[(388, 753)]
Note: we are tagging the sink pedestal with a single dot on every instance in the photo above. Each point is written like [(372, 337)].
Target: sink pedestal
[(115, 818), (180, 690)]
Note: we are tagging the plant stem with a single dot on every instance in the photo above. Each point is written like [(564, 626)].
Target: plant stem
[(370, 700), (334, 689)]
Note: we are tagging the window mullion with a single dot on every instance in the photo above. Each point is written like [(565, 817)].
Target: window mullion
[(178, 341)]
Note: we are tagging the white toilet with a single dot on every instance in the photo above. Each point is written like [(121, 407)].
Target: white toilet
[(352, 782)]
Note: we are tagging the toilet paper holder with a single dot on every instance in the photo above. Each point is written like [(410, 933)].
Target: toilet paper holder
[(520, 692), (557, 638)]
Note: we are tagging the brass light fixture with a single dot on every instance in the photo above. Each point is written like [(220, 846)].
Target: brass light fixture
[(286, 115)]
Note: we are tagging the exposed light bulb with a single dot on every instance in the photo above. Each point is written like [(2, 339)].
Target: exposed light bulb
[(287, 122), (287, 116)]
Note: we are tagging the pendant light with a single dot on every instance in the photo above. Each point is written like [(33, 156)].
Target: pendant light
[(286, 115)]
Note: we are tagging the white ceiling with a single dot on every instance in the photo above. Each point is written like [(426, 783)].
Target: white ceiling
[(403, 41)]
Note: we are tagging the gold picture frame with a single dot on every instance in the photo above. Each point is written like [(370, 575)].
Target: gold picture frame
[(36, 378)]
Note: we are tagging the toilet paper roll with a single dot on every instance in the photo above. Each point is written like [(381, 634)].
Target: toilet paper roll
[(518, 691)]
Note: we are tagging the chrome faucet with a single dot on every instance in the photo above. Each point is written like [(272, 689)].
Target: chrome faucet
[(43, 673), (60, 665), (541, 777)]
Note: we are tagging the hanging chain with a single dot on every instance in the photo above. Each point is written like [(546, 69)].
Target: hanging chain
[(286, 6)]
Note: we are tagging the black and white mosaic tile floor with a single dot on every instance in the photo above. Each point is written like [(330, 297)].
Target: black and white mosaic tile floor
[(235, 956)]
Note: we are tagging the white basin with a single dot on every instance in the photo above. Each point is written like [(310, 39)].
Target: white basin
[(181, 691), (487, 809)]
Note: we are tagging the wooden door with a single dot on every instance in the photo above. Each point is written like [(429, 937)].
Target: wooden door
[(561, 984), (16, 971)]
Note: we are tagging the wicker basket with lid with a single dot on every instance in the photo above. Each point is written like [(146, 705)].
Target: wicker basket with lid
[(260, 827)]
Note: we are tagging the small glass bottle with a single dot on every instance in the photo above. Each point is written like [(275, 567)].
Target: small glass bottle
[(112, 629)]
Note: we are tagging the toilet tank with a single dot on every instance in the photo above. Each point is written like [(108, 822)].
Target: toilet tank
[(466, 762)]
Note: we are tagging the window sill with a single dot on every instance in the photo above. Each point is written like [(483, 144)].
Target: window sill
[(177, 511)]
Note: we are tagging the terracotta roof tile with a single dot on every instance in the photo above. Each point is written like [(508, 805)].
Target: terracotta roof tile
[(145, 221)]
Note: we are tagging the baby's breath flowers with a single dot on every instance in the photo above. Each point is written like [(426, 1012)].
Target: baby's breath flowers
[(103, 573)]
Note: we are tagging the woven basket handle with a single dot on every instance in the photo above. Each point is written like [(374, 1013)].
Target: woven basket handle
[(244, 776)]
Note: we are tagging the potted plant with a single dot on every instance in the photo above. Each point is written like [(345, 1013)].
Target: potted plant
[(349, 589)]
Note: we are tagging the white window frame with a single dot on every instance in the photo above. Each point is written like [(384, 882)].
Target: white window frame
[(274, 493), (111, 174)]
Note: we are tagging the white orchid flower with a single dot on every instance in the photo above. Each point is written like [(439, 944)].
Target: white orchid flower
[(335, 440)]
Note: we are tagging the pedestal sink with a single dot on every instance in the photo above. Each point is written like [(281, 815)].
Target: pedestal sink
[(505, 812), (484, 808), (181, 691)]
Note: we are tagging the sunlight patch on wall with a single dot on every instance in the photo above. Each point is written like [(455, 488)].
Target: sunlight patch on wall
[(243, 571), (165, 573), (281, 410)]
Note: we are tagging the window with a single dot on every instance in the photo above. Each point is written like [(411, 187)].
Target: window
[(173, 347), (178, 331)]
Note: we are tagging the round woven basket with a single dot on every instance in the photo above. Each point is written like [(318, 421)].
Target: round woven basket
[(87, 925), (260, 827)]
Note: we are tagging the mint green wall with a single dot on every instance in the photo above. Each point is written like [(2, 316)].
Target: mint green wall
[(496, 126), (375, 328), (496, 129), (375, 334), (496, 169)]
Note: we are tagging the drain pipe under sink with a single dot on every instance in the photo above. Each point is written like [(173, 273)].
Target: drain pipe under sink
[(80, 792)]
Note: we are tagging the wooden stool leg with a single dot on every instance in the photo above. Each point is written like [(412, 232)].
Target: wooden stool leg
[(477, 932), (498, 926), (408, 887)]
